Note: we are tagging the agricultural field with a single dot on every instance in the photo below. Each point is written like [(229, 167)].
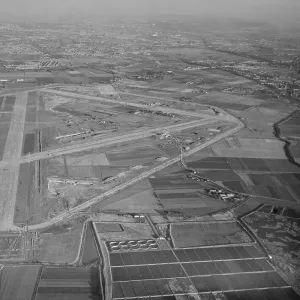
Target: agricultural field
[(180, 195), (136, 199), (195, 274), (19, 282), (271, 178), (130, 231), (59, 244), (90, 251), (279, 232), (188, 203), (104, 191), (244, 147), (186, 235), (69, 283)]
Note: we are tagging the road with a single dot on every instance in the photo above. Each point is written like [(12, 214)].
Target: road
[(12, 152)]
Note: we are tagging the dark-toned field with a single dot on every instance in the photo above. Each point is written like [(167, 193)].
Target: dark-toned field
[(133, 156), (29, 143), (207, 271), (278, 179), (281, 235), (189, 203), (9, 103), (24, 193), (205, 234), (4, 127), (174, 183), (69, 283), (90, 251), (245, 164), (19, 282), (291, 127)]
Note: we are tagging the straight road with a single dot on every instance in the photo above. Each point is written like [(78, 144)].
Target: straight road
[(12, 152)]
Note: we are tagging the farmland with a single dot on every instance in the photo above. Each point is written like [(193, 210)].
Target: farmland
[(279, 232), (206, 234), (149, 159), (19, 282), (90, 250), (69, 283), (59, 244)]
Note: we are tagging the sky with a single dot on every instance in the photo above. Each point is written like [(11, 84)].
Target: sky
[(262, 8)]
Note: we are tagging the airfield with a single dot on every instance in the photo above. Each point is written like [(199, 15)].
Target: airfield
[(148, 189), (95, 174)]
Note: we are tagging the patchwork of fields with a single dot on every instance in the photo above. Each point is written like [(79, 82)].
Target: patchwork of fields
[(48, 283), (200, 273), (272, 178), (179, 194)]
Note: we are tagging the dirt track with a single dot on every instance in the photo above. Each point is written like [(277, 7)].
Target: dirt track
[(12, 152)]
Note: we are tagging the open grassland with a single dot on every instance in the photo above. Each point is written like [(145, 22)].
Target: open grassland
[(186, 235), (19, 282), (60, 244)]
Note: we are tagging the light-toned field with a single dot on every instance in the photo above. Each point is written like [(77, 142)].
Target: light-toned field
[(132, 231), (143, 202), (186, 235), (60, 244), (18, 283), (246, 147), (99, 159)]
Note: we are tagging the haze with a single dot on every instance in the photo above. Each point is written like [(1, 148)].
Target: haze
[(246, 8)]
